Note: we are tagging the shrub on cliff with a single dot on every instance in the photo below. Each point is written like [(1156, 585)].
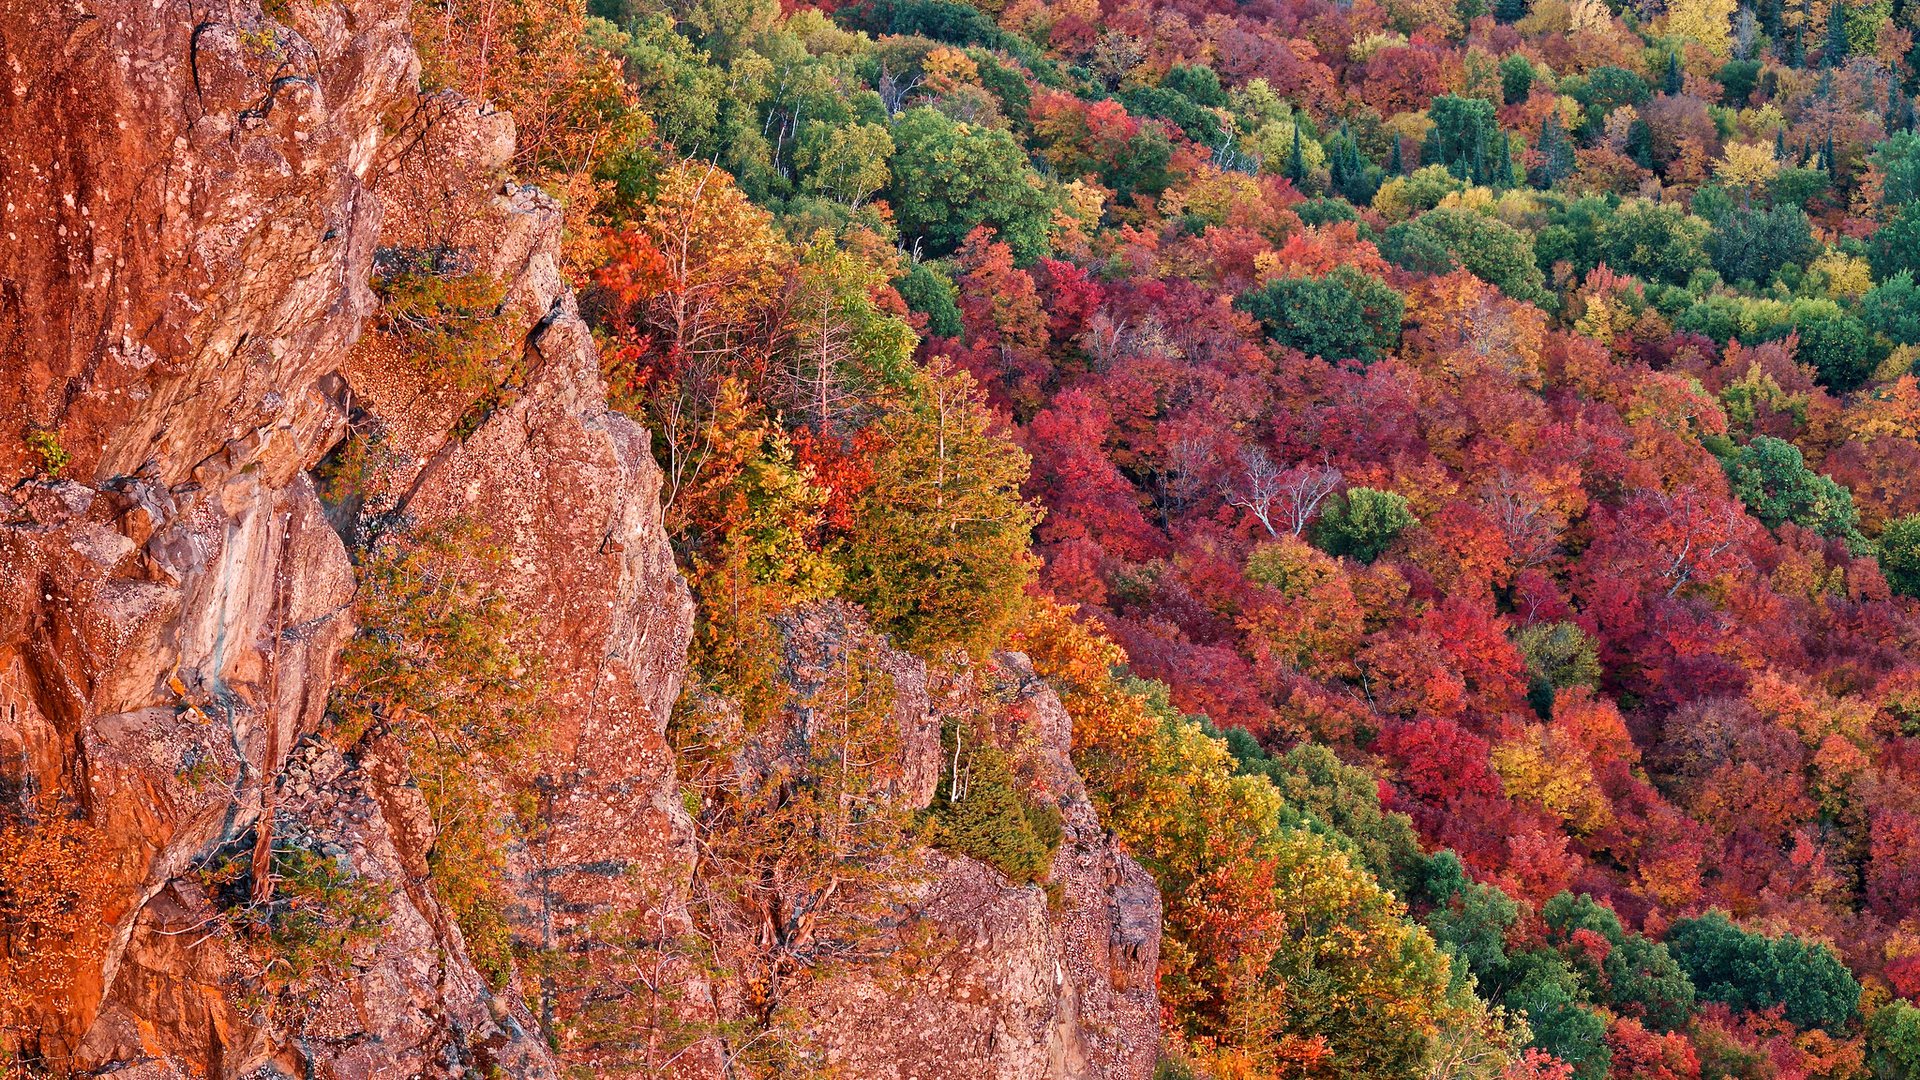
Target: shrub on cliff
[(439, 665), (53, 892), (319, 915), (980, 811)]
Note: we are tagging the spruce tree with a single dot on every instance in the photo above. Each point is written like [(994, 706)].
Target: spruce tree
[(1676, 82), (1556, 153), (1834, 52), (1297, 159)]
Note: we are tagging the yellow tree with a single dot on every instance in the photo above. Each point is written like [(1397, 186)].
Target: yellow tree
[(1747, 166), (1708, 22)]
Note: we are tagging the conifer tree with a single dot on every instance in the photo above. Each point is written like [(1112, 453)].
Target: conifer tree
[(1834, 52)]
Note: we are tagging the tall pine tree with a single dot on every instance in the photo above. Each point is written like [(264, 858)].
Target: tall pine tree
[(1834, 52)]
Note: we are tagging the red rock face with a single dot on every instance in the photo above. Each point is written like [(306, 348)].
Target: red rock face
[(193, 206)]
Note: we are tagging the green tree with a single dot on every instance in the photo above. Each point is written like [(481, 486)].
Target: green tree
[(1837, 345), (980, 811), (1548, 992), (1771, 478), (1751, 971), (1346, 315), (843, 162), (1895, 246), (1469, 919), (1466, 138), (1637, 977), (1751, 245), (949, 178), (1899, 552), (1361, 522), (1833, 53), (1556, 153), (1559, 655), (1893, 1041), (1898, 159), (1892, 309), (1516, 78), (1490, 249), (929, 291), (1657, 241)]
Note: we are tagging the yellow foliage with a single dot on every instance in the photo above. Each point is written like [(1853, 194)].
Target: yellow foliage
[(1748, 165), (1705, 21), (1543, 767), (1847, 276)]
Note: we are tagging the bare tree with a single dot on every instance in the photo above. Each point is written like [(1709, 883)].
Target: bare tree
[(1280, 499)]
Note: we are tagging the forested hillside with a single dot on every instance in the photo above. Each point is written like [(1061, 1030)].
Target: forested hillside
[(1468, 453), (1457, 463)]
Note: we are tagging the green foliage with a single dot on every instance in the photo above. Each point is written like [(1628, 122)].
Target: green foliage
[(1605, 89), (1490, 249), (1516, 78), (1347, 314), (1657, 241), (1467, 140), (1548, 992), (1892, 309), (1898, 548), (980, 810), (1469, 920), (1323, 211), (672, 81), (929, 291), (46, 446), (1361, 523), (949, 178), (1737, 80), (1898, 160), (1895, 246), (1751, 245), (1771, 478), (1556, 153), (1752, 971), (1559, 655), (1795, 186), (1199, 123), (1893, 1041), (1338, 801), (1638, 976), (1837, 345), (319, 917)]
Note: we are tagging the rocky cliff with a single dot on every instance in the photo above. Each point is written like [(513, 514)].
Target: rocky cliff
[(196, 199)]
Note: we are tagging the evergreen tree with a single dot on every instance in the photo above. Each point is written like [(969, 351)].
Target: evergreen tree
[(1834, 52), (1780, 145), (1395, 166), (1297, 160), (1676, 82), (1556, 153)]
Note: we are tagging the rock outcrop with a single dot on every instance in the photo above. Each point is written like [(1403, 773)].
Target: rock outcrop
[(196, 200)]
